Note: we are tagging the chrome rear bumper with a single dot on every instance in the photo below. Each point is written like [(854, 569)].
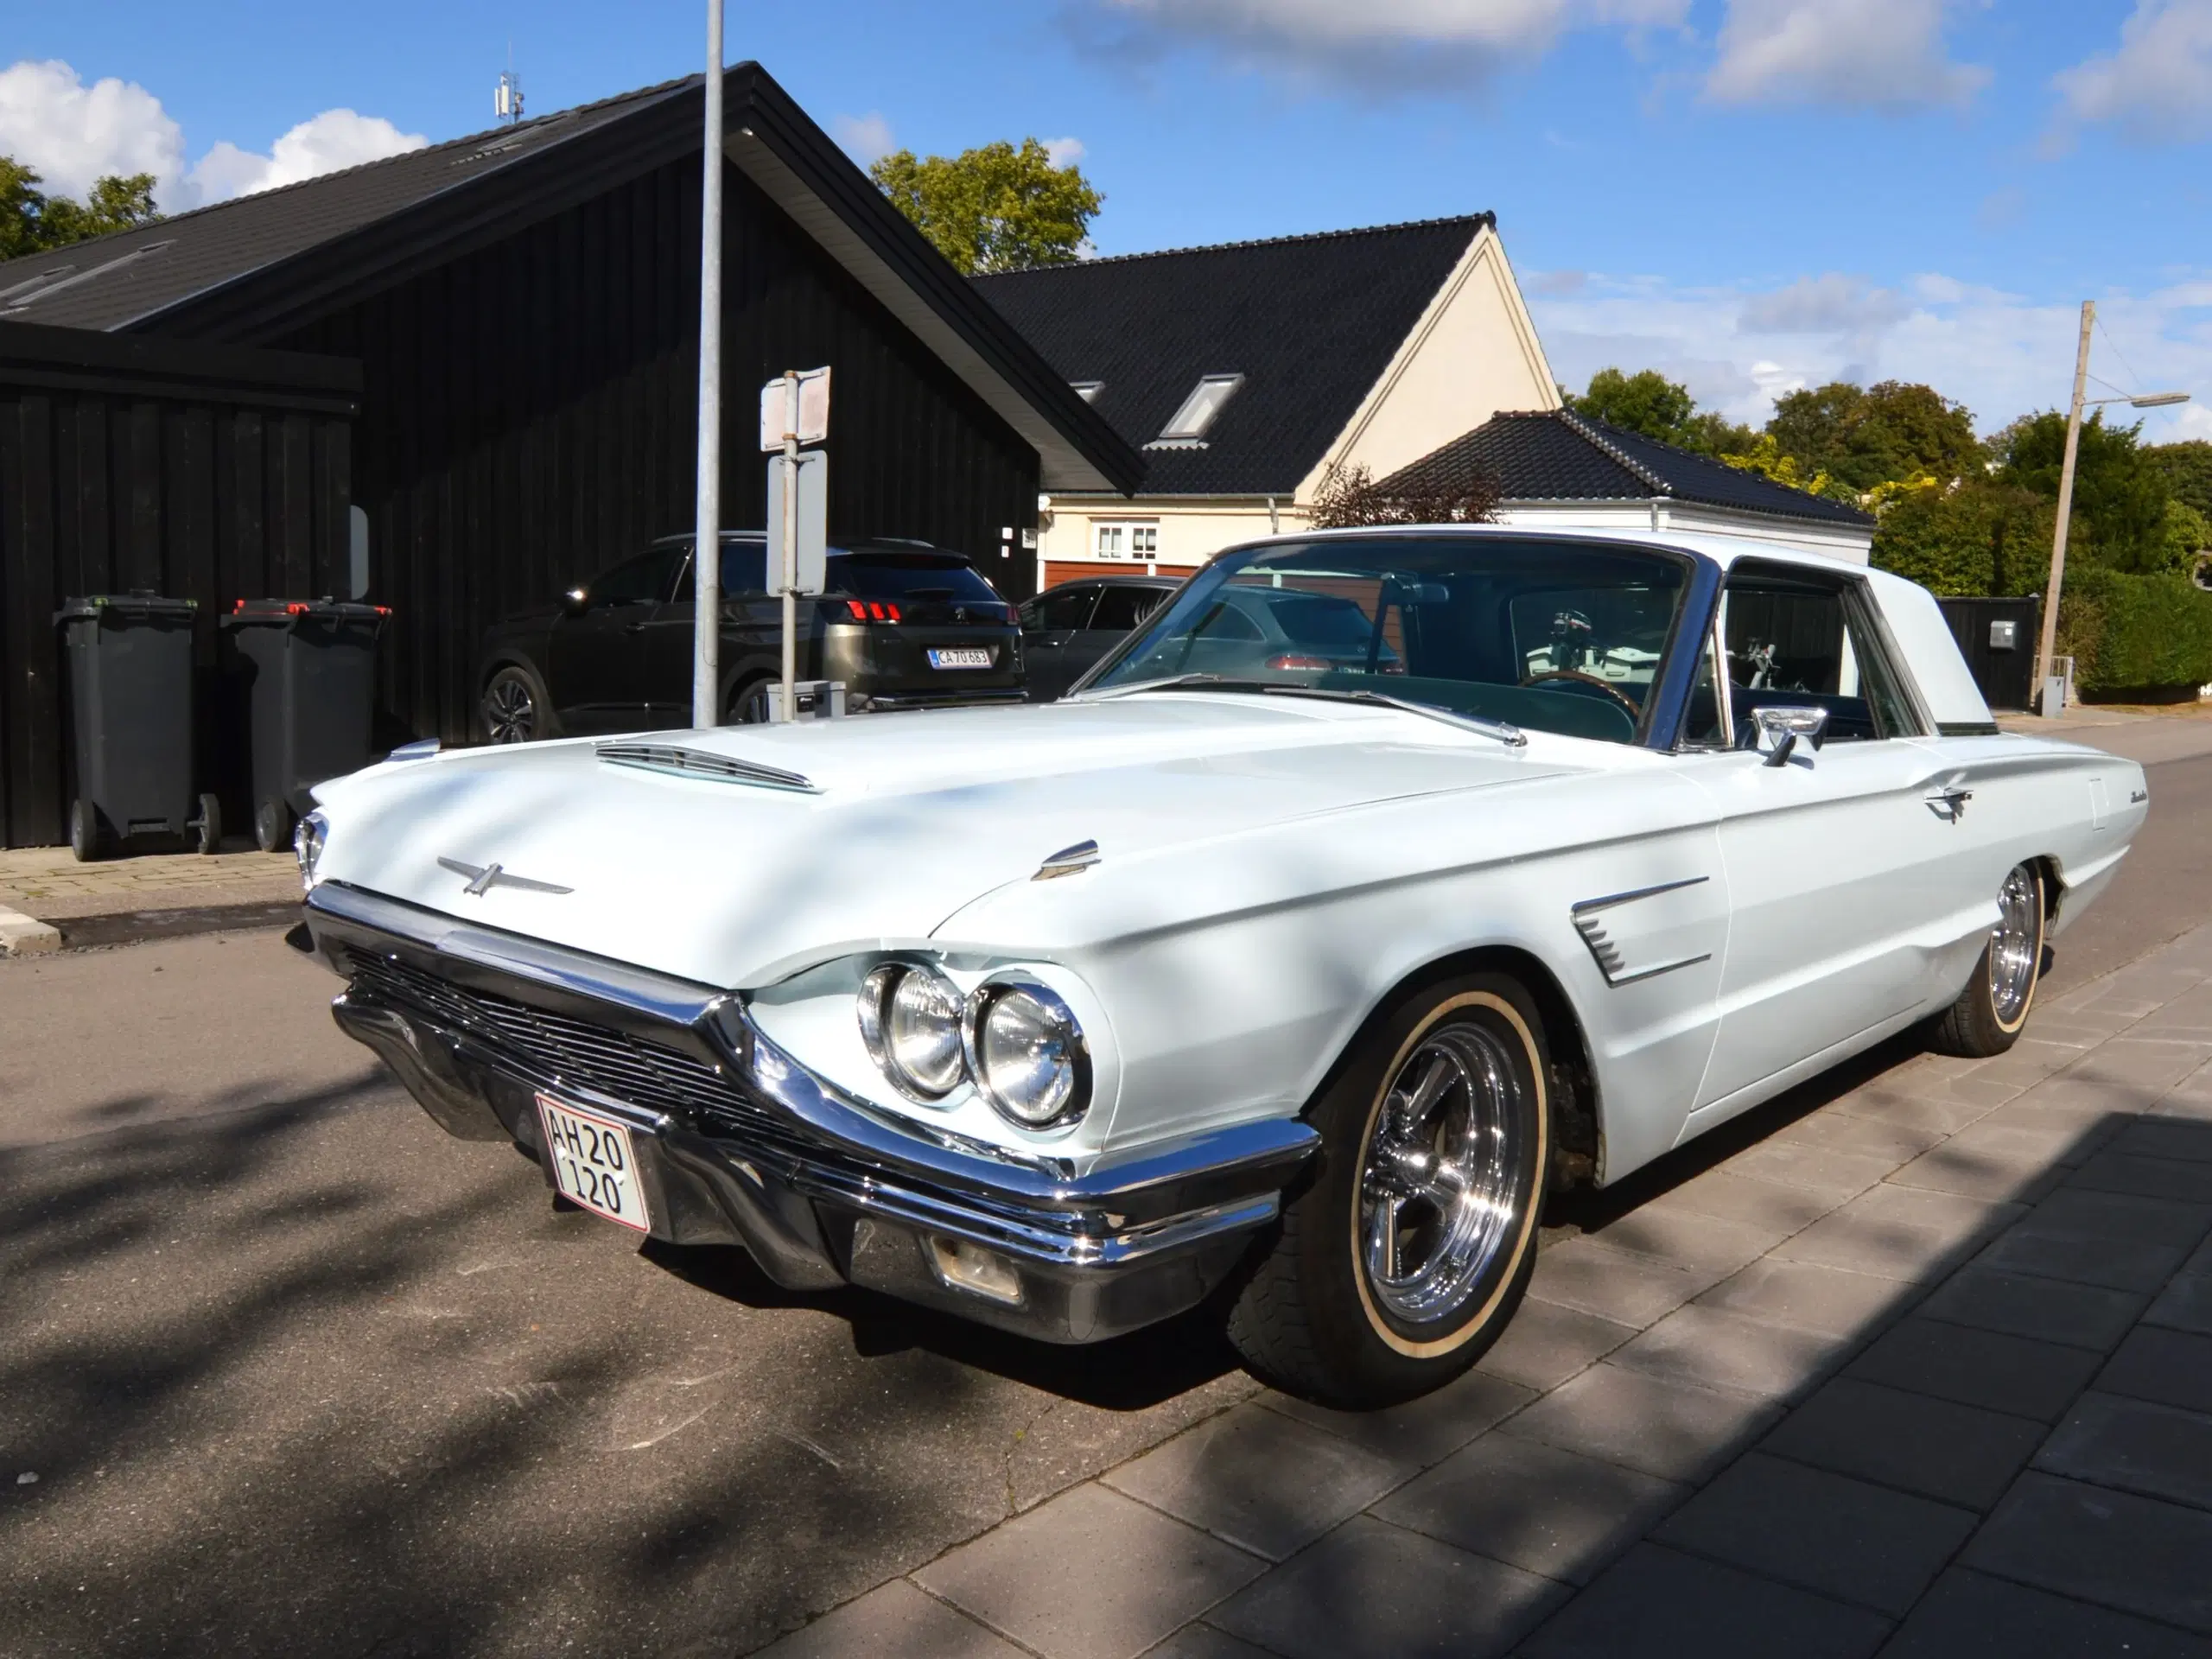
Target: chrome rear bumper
[(740, 1144)]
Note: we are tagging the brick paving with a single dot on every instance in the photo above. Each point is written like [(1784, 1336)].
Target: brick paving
[(48, 883), (1925, 1370)]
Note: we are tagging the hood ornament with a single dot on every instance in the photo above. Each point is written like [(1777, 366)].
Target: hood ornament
[(482, 878)]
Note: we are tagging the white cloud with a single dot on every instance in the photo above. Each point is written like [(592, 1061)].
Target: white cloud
[(2156, 85), (1886, 54), (866, 138), (2001, 353), (1381, 44), (328, 141), (72, 134), (1064, 152)]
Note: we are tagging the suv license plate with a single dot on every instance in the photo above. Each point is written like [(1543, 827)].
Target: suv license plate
[(961, 656), (593, 1162)]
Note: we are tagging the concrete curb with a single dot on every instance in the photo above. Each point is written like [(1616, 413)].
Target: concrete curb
[(138, 926), (26, 936)]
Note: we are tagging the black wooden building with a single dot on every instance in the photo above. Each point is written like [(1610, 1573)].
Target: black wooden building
[(521, 306)]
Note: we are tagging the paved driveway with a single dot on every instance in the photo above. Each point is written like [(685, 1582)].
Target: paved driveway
[(288, 1368)]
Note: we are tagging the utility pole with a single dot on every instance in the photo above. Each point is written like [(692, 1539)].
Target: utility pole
[(707, 535), (2051, 589)]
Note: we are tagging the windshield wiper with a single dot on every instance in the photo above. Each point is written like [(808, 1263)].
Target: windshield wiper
[(1506, 733)]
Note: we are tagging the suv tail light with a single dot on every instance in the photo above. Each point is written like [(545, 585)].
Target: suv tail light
[(871, 610)]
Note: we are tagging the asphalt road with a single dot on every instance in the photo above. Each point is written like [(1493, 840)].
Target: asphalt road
[(282, 1369)]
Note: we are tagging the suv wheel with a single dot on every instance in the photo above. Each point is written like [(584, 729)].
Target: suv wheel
[(514, 707)]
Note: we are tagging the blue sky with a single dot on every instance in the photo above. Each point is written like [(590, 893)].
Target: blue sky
[(1749, 194)]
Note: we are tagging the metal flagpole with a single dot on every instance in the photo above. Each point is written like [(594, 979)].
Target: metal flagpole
[(706, 539), (2050, 642)]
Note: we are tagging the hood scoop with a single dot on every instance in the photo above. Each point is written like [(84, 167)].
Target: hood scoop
[(682, 762)]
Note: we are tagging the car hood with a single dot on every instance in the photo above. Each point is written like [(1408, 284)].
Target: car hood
[(905, 819)]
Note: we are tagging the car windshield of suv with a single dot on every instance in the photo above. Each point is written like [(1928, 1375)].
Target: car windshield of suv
[(1559, 636), (881, 574)]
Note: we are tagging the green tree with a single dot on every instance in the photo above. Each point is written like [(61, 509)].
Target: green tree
[(2187, 468), (1975, 536), (1645, 401), (1883, 434), (995, 207), (32, 222), (2121, 494)]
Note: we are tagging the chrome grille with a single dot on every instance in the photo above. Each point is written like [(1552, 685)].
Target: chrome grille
[(553, 1049)]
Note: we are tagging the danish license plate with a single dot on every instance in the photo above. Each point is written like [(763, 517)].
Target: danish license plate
[(594, 1164), (961, 656)]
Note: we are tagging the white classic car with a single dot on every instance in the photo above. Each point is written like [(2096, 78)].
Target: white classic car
[(1285, 986)]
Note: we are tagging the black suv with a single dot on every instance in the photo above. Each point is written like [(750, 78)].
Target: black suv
[(903, 624)]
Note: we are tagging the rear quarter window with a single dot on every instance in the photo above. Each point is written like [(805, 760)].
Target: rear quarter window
[(907, 576)]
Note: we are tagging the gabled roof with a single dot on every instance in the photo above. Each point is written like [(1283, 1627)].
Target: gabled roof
[(1559, 455), (1311, 322), (252, 270)]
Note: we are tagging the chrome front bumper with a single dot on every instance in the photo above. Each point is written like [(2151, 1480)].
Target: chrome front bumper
[(738, 1144)]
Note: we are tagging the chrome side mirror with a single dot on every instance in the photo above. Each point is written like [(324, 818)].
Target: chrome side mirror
[(1781, 728)]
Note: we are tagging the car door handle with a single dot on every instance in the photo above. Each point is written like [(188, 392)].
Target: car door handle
[(1948, 802)]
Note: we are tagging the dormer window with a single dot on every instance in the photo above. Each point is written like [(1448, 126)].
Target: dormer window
[(1087, 390), (1197, 415)]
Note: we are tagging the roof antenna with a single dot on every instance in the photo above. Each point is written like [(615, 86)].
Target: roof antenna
[(506, 102)]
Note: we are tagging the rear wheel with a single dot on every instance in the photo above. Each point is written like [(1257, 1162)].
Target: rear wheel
[(1991, 1010), (85, 839), (514, 707), (748, 704), (1407, 1253)]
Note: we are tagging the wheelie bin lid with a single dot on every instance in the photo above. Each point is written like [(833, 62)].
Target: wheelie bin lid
[(132, 607), (290, 613)]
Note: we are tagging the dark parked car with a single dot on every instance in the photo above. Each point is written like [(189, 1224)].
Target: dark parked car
[(1066, 630), (903, 624)]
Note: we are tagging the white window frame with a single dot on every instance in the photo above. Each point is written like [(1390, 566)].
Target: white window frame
[(1134, 540), (1201, 408)]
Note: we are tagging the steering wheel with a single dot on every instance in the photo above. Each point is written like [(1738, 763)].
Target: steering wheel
[(1576, 674)]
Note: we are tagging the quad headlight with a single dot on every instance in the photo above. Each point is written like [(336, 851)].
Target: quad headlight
[(307, 846), (1016, 1040), (1025, 1049), (909, 1020)]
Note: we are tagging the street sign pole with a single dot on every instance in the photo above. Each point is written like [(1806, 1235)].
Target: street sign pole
[(707, 530), (790, 583)]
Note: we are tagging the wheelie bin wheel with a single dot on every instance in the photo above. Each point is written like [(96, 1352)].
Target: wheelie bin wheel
[(272, 826), (209, 824), (84, 830)]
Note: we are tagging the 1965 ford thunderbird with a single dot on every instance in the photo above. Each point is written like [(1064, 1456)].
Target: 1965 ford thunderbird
[(1285, 985)]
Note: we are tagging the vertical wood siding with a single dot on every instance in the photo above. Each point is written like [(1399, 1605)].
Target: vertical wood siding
[(529, 416), (106, 491)]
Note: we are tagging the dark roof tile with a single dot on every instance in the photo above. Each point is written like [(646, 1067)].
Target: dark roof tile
[(1558, 456), (1310, 322)]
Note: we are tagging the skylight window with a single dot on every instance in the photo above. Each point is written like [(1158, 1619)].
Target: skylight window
[(1199, 409), (1087, 390)]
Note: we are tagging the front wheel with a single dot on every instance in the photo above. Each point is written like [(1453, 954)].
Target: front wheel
[(1990, 1013), (514, 708), (1410, 1247)]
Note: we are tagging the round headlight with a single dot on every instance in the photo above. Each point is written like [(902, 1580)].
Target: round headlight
[(1027, 1053), (910, 1020), (307, 846)]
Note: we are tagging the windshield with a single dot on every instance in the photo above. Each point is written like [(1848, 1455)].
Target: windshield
[(1558, 636)]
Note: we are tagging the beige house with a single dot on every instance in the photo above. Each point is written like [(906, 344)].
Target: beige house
[(1244, 372)]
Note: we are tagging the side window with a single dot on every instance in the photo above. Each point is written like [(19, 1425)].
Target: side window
[(1227, 622), (1069, 609), (1121, 609), (744, 572), (1795, 639), (645, 578)]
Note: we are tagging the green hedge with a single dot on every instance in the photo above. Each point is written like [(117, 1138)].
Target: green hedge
[(2128, 632)]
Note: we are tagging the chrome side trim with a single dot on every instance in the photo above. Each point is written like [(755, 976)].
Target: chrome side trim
[(1583, 907), (679, 761)]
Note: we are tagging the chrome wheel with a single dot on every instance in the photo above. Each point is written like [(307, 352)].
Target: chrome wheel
[(2014, 944), (1438, 1194), (510, 710)]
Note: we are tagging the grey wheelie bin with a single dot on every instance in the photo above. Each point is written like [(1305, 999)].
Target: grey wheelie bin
[(131, 700), (312, 703)]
